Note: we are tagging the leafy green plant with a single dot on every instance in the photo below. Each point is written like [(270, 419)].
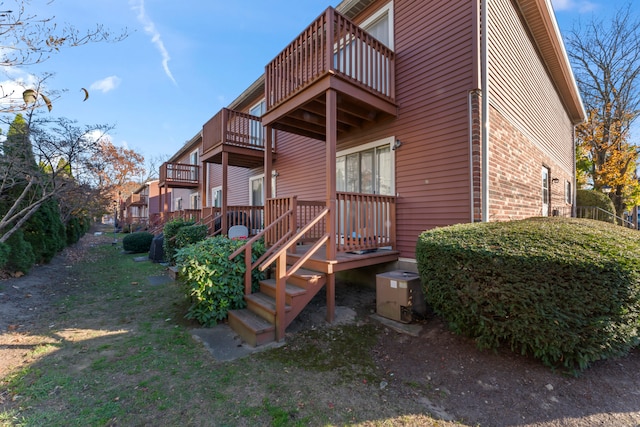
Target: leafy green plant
[(137, 242), (566, 291), (190, 234), (169, 232), (214, 283)]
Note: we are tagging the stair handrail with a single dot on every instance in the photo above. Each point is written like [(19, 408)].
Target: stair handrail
[(295, 238), (616, 219), (282, 274), (246, 248)]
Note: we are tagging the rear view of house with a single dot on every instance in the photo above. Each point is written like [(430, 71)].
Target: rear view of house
[(386, 118)]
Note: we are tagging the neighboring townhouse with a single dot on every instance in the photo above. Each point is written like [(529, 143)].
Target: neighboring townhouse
[(180, 182), (142, 205), (386, 118)]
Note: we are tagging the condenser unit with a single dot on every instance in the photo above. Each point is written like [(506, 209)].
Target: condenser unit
[(399, 295)]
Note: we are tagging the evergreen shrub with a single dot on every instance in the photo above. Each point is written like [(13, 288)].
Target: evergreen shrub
[(564, 290), (170, 230), (214, 283), (137, 242), (20, 257)]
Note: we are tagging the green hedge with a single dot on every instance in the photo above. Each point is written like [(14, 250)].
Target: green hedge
[(595, 198), (214, 283), (566, 291), (169, 232), (190, 234), (138, 242)]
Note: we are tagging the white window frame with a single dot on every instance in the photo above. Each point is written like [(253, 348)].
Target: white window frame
[(253, 139), (388, 9), (257, 177), (192, 197), (388, 141), (251, 179), (545, 176), (177, 204), (568, 198), (214, 190)]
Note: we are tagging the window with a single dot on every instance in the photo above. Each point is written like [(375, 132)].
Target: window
[(546, 191), (256, 132), (193, 159), (349, 49), (178, 204), (256, 190), (193, 199), (567, 193), (368, 170), (216, 197)]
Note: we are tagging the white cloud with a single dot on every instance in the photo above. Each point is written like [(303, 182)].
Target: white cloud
[(11, 89), (156, 38), (107, 84)]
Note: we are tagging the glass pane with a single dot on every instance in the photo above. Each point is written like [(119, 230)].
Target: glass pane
[(341, 182), (383, 173), (353, 173), (380, 29), (366, 172), (256, 192)]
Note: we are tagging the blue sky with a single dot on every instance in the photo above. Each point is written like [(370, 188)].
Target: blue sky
[(183, 61)]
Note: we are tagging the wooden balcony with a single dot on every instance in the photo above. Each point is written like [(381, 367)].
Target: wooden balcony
[(332, 53), (179, 175), (136, 200), (238, 134)]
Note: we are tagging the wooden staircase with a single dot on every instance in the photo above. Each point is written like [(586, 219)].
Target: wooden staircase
[(256, 324)]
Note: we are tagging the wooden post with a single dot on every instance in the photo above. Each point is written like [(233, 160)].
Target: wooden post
[(332, 229), (281, 272), (225, 182), (268, 165)]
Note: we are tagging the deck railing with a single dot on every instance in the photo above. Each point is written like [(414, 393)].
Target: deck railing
[(136, 199), (364, 221), (179, 173), (233, 128), (331, 44), (594, 212)]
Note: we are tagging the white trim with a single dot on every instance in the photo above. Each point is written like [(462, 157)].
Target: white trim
[(192, 196), (251, 179), (214, 190), (388, 9), (390, 141), (197, 153)]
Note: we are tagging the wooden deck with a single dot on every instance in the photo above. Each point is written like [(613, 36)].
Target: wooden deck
[(344, 260)]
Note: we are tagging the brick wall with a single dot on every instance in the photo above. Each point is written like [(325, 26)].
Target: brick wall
[(515, 175)]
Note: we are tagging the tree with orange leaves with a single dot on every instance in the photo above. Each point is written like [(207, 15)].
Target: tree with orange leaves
[(606, 60)]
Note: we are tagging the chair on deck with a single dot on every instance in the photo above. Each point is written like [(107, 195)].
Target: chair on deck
[(238, 232)]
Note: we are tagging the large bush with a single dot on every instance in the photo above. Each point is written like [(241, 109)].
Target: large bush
[(138, 242), (595, 198), (190, 234), (566, 291), (170, 230), (45, 232), (20, 257), (214, 283)]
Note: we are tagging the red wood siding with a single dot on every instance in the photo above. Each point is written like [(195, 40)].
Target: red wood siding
[(434, 74)]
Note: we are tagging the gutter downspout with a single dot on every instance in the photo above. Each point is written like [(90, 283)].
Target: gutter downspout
[(484, 67)]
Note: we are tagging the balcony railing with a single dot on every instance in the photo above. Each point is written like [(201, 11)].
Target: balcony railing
[(136, 199), (233, 128), (331, 44), (364, 222), (179, 173)]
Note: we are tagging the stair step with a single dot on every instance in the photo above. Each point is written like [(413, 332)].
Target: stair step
[(264, 306), (290, 290), (305, 278), (253, 329)]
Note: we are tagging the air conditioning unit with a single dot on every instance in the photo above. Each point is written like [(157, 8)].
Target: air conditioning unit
[(399, 295)]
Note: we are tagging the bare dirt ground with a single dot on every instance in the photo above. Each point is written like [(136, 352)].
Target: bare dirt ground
[(453, 379)]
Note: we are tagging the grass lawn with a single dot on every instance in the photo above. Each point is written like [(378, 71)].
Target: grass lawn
[(115, 350)]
